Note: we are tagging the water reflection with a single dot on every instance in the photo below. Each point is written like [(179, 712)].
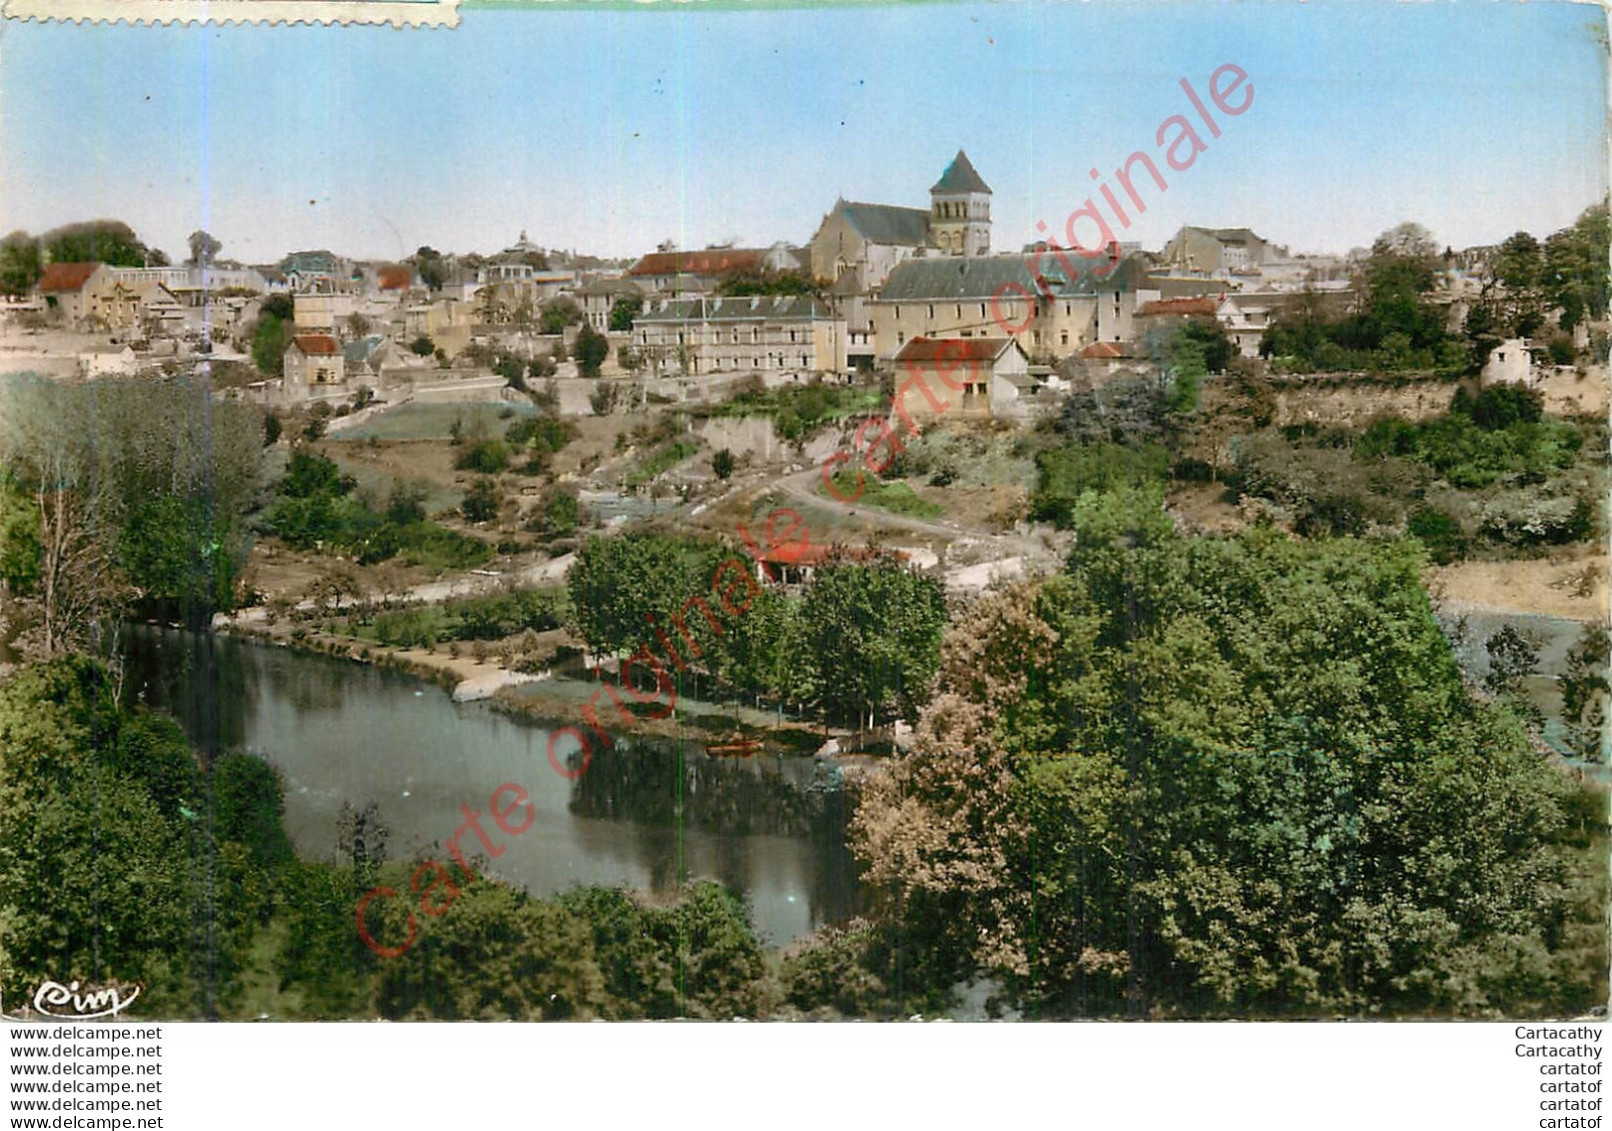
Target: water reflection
[(646, 815)]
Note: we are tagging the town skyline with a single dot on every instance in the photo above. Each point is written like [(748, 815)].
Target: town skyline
[(621, 146)]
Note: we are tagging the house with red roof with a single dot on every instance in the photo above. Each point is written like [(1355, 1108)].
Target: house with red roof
[(311, 362), (700, 272), (965, 378), (71, 290)]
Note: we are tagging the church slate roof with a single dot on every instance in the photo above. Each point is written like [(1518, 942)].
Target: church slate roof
[(887, 223), (960, 177)]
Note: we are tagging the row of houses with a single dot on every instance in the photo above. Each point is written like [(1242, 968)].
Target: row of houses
[(883, 276)]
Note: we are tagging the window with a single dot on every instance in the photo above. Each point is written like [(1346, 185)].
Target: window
[(959, 310), (898, 314), (931, 312), (1064, 338), (900, 338), (982, 310)]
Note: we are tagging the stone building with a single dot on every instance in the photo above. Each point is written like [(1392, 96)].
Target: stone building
[(781, 334)]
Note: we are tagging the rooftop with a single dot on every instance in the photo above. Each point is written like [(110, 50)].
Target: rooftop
[(62, 277), (981, 278), (317, 345), (960, 177), (714, 261), (887, 223)]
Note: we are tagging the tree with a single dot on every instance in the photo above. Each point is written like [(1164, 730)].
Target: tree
[(722, 464), (100, 241), (873, 633), (271, 336), (481, 500), (750, 281), (623, 311), (559, 313), (422, 346), (592, 348), (20, 264), (616, 584), (1211, 775), (271, 429), (432, 269), (204, 249), (1575, 275), (1587, 692)]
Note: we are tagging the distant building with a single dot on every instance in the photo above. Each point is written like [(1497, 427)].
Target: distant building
[(795, 334), (960, 210), (1052, 304), (363, 359), (320, 312), (1212, 251), (108, 361), (1509, 361), (599, 298), (663, 271), (68, 291), (968, 379), (312, 361), (317, 271), (867, 241)]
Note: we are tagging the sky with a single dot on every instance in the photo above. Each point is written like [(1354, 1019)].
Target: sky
[(610, 130)]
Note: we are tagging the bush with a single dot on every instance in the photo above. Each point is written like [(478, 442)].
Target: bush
[(481, 501), (1440, 533), (1501, 406), (1068, 472), (722, 464), (487, 457), (559, 513)]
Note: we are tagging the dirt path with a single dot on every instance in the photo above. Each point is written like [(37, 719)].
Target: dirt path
[(1574, 588)]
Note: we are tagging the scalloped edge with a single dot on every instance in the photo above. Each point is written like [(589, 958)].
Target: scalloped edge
[(398, 13)]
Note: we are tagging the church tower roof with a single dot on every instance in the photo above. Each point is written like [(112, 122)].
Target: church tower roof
[(960, 177)]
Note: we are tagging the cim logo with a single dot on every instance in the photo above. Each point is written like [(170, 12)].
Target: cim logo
[(72, 1003)]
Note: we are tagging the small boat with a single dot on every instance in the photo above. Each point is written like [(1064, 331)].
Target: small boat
[(745, 748)]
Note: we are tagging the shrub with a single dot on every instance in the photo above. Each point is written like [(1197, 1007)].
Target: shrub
[(481, 501), (487, 457), (722, 464), (1439, 532)]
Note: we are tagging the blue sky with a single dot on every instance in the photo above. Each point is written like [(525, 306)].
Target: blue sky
[(611, 130)]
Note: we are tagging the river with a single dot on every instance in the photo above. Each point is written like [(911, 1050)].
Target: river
[(645, 815)]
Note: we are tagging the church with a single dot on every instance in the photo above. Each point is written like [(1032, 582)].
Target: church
[(857, 245)]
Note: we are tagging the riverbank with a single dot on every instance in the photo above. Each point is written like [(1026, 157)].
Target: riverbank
[(546, 697)]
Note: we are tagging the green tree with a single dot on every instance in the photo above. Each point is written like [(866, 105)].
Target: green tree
[(481, 500), (873, 632), (100, 241), (623, 311), (559, 313), (1227, 775), (20, 264), (722, 464), (270, 337), (592, 349), (1586, 693)]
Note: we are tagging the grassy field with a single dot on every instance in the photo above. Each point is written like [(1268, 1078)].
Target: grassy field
[(896, 498)]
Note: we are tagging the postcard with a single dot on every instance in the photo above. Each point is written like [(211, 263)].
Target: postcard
[(1030, 512)]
